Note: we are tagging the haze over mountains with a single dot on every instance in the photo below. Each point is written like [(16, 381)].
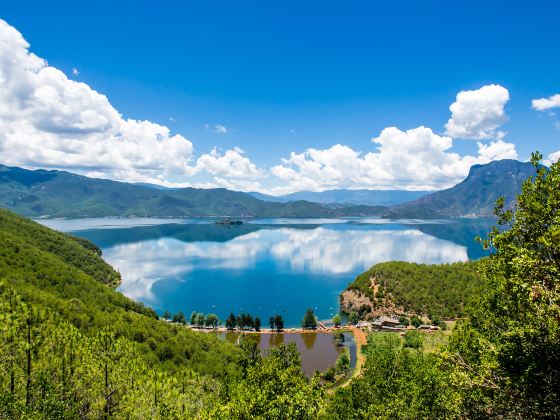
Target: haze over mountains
[(347, 197), (42, 193)]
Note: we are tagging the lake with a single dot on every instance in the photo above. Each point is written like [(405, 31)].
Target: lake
[(266, 266)]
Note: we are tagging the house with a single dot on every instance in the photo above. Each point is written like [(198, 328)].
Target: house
[(387, 323)]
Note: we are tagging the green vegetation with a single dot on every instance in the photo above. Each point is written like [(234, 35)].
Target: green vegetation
[(413, 339), (243, 322), (273, 388), (396, 382), (434, 290), (337, 320), (507, 352), (338, 337), (309, 320), (276, 323), (343, 362)]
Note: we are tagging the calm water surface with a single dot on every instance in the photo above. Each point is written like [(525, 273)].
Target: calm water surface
[(318, 350), (265, 266)]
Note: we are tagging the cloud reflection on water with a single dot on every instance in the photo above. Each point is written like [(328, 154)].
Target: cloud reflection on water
[(323, 250)]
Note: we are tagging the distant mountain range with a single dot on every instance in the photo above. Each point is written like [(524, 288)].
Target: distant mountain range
[(63, 194), (347, 197), (475, 196), (42, 193)]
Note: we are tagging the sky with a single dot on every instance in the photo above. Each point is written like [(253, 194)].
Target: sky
[(278, 97)]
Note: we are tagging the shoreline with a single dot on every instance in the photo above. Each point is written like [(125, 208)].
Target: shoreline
[(324, 330)]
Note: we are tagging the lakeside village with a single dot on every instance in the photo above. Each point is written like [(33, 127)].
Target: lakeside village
[(247, 323)]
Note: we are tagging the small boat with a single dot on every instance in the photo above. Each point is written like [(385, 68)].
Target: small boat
[(228, 221)]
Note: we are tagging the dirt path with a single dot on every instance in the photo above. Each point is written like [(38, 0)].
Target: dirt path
[(360, 339)]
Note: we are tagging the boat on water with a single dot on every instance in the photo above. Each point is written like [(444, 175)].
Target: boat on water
[(228, 221)]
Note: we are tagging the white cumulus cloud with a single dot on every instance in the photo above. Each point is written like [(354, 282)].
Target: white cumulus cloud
[(544, 104), (477, 114), (552, 158), (48, 120), (231, 163), (414, 159)]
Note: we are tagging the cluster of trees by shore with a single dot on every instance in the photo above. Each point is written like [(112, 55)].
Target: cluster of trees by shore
[(243, 322)]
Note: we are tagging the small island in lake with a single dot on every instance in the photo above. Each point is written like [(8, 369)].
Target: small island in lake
[(228, 221)]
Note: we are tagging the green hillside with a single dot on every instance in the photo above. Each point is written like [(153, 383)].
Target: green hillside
[(62, 194), (67, 278), (73, 347), (440, 290)]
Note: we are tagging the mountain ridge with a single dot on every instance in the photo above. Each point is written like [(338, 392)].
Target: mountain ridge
[(475, 196), (53, 193)]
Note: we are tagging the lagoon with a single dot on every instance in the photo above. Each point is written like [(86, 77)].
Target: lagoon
[(318, 350), (265, 266)]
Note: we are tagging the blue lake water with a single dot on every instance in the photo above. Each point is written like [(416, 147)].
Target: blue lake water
[(265, 266)]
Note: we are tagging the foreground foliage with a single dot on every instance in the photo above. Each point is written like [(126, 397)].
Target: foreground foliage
[(507, 352), (397, 382), (52, 370)]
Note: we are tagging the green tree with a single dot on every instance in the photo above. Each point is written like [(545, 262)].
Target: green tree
[(343, 362), (508, 349), (179, 318), (257, 324), (396, 383), (166, 315), (338, 337), (193, 318), (200, 320), (415, 321), (404, 321), (309, 321), (353, 318), (271, 322), (279, 323), (212, 321), (274, 388), (413, 339), (231, 321), (337, 320)]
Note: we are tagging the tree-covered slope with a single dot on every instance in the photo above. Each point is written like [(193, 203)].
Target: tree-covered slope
[(72, 347), (424, 289), (56, 271), (62, 194)]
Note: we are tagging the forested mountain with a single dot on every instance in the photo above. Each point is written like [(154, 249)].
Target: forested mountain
[(43, 193), (63, 194), (475, 196)]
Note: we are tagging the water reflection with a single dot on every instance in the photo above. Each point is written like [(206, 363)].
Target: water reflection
[(317, 251), (265, 268), (318, 351)]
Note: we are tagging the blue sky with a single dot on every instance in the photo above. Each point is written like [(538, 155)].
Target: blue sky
[(284, 77)]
